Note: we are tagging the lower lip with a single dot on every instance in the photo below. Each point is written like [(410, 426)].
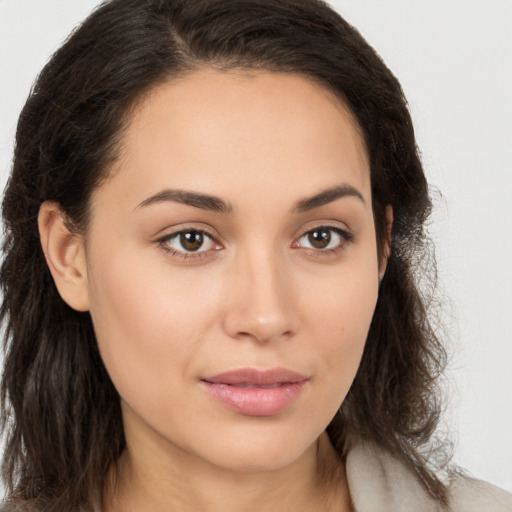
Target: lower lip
[(257, 401)]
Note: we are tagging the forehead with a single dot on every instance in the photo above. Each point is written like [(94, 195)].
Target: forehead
[(216, 130)]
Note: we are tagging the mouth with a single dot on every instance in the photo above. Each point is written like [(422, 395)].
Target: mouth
[(255, 392)]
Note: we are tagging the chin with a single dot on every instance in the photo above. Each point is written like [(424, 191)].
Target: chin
[(259, 450), (258, 463)]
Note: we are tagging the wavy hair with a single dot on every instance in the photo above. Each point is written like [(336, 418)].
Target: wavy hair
[(61, 413)]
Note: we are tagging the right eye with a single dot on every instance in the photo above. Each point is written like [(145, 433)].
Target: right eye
[(189, 242)]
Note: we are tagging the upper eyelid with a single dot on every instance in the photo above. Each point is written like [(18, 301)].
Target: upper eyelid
[(167, 233), (325, 225), (187, 230), (327, 222)]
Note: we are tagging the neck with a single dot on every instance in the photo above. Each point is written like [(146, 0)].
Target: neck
[(145, 481)]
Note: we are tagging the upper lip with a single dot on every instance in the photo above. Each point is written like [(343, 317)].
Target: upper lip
[(256, 377)]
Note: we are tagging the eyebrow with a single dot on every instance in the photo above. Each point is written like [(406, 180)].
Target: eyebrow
[(198, 200), (327, 196), (216, 204)]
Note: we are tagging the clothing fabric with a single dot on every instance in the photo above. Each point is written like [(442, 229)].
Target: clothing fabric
[(378, 482)]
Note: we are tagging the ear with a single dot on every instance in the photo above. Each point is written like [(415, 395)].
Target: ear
[(65, 256), (387, 243)]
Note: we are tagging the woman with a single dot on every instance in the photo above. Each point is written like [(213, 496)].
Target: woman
[(213, 222)]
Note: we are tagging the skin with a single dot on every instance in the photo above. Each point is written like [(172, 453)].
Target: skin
[(256, 294)]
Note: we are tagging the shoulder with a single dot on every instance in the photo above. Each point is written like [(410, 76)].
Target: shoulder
[(379, 481), (471, 495)]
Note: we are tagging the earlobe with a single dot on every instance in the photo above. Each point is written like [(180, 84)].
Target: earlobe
[(65, 256), (387, 245)]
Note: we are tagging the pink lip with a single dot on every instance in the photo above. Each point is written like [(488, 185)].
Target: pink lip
[(255, 392)]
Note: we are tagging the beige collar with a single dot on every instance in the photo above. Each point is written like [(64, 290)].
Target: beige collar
[(380, 483)]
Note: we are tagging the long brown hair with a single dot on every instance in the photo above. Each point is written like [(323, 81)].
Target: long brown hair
[(61, 412)]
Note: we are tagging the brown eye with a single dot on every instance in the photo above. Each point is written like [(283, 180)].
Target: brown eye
[(324, 238), (189, 241), (319, 238)]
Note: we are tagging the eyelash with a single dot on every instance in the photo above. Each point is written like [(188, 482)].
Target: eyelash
[(345, 238)]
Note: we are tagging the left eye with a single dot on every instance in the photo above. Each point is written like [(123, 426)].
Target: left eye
[(323, 238), (190, 241)]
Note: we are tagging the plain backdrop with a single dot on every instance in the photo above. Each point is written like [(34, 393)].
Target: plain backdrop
[(454, 60)]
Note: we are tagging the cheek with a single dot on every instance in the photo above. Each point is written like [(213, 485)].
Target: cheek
[(146, 323), (340, 321)]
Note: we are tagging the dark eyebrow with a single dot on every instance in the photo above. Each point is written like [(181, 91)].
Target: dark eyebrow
[(196, 199), (327, 196)]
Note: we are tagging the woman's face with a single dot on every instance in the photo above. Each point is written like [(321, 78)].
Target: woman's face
[(232, 269)]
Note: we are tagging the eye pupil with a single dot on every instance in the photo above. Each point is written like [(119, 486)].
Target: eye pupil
[(191, 240), (319, 238)]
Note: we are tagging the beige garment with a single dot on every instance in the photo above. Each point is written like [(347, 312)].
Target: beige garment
[(380, 483)]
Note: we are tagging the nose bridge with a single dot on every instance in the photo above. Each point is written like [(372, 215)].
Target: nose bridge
[(261, 300)]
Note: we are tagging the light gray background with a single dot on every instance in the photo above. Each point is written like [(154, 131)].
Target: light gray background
[(454, 60)]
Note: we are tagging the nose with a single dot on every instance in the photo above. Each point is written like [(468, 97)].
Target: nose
[(261, 299)]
